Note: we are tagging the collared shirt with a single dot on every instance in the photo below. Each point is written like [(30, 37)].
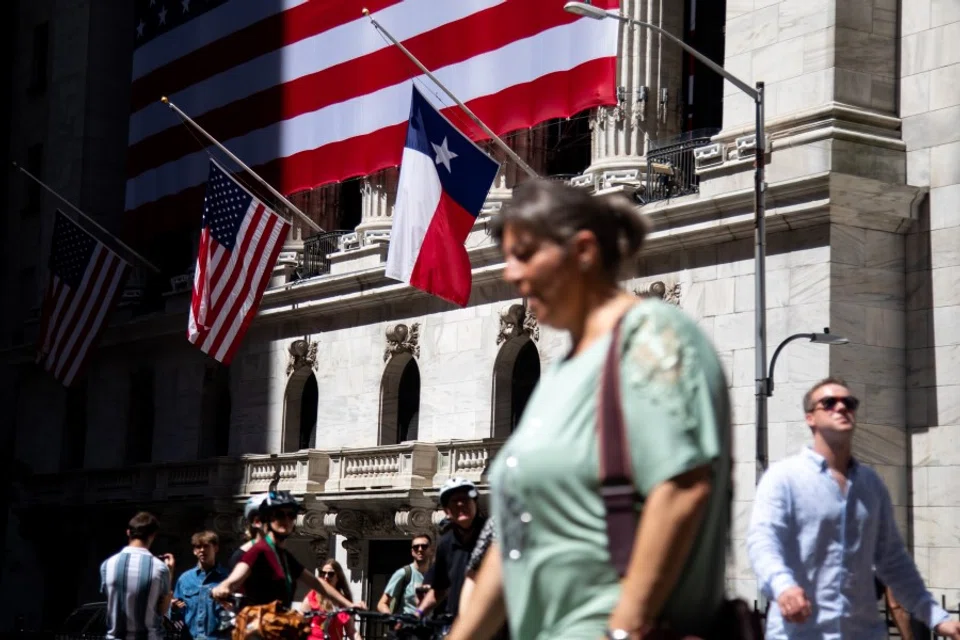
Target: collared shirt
[(201, 613), (806, 532), (133, 581)]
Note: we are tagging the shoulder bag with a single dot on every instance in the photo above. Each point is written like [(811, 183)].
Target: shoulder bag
[(735, 620)]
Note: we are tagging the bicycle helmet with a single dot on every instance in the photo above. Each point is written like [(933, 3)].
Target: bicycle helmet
[(252, 506), (456, 484), (276, 500)]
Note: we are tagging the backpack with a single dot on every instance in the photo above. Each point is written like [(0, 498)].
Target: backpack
[(396, 598), (270, 622)]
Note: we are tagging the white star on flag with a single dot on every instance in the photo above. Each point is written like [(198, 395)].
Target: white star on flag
[(444, 155), (140, 29), (163, 15), (186, 5)]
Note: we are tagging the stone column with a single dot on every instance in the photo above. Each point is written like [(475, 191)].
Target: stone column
[(649, 74), (376, 213)]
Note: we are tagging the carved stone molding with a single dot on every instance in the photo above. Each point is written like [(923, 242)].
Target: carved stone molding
[(401, 339), (312, 523), (353, 547), (410, 522), (347, 523), (321, 549), (228, 524), (303, 353), (516, 321), (658, 289)]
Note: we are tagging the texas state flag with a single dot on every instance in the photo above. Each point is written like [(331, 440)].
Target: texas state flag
[(444, 179)]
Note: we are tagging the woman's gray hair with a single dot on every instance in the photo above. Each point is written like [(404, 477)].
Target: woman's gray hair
[(554, 210)]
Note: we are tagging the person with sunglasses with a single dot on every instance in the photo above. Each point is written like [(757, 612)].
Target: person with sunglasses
[(267, 571), (400, 594), (822, 524)]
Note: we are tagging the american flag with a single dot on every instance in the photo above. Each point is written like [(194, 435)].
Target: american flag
[(83, 283), (239, 244), (307, 92)]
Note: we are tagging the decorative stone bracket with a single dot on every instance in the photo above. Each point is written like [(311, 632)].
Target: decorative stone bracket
[(658, 289), (401, 339), (515, 321), (303, 353)]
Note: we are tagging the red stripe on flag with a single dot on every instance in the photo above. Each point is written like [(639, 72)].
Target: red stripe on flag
[(443, 266), (475, 35), (279, 30), (364, 155)]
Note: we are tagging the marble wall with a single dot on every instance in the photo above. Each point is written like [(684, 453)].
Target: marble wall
[(930, 108)]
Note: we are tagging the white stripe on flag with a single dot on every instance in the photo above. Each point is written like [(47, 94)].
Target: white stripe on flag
[(390, 106), (419, 186)]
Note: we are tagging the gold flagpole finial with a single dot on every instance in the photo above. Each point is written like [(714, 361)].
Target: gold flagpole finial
[(164, 99), (365, 11)]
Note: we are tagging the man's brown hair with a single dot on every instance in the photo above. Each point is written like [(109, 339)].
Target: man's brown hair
[(143, 526), (808, 396), (202, 538)]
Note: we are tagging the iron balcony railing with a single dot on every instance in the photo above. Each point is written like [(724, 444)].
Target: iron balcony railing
[(671, 170), (316, 250)]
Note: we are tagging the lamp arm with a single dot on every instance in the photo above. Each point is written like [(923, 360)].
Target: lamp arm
[(773, 360)]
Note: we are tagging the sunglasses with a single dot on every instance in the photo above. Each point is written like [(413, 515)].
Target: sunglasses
[(420, 547), (290, 515), (329, 574), (830, 402)]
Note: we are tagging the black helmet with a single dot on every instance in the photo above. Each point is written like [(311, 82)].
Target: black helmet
[(276, 500)]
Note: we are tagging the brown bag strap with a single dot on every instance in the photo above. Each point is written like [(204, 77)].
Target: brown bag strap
[(616, 478)]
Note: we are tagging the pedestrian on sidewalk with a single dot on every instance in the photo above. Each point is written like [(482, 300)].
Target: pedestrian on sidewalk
[(400, 594), (192, 602), (822, 525), (137, 584)]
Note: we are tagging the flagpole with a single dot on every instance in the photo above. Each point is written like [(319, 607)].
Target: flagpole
[(73, 207), (310, 223), (503, 145)]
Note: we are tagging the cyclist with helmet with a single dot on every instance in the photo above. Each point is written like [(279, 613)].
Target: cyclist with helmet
[(253, 530), (267, 571), (458, 497)]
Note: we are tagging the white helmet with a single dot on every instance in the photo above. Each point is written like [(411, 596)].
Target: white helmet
[(455, 484), (252, 506)]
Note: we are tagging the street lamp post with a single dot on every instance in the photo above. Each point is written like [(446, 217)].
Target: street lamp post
[(760, 230)]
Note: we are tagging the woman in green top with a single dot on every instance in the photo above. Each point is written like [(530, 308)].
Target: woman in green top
[(549, 572)]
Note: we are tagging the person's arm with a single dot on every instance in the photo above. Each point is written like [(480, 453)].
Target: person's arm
[(236, 579), (900, 616), (439, 582), (670, 522), (315, 583), (163, 603), (305, 606), (769, 529), (383, 606), (897, 570), (466, 591), (487, 611)]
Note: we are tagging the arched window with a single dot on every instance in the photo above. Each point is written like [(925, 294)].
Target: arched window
[(516, 372), (309, 400), (400, 400), (300, 411)]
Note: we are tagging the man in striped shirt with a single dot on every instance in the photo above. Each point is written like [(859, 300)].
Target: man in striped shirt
[(137, 584)]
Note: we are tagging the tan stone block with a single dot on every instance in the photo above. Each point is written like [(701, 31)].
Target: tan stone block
[(945, 249), (803, 92), (920, 368), (947, 365), (869, 365), (943, 487), (885, 23), (944, 207), (919, 324), (885, 327), (931, 129), (919, 51), (945, 87), (944, 12), (752, 31), (943, 564), (848, 245), (801, 18), (855, 14), (737, 8), (809, 283), (819, 50), (946, 292), (916, 17), (779, 61), (871, 287)]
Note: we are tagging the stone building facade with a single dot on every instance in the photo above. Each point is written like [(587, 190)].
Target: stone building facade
[(364, 395)]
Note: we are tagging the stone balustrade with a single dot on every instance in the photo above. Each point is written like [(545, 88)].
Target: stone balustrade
[(412, 466)]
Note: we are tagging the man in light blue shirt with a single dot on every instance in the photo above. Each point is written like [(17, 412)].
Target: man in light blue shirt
[(822, 525)]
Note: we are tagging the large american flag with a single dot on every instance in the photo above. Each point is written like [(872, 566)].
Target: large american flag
[(308, 92), (83, 282), (239, 244)]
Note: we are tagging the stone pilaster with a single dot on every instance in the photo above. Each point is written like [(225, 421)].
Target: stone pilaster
[(648, 79)]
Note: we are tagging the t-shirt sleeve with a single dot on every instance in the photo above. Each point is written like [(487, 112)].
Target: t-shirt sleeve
[(251, 555), (164, 579), (392, 583), (674, 395)]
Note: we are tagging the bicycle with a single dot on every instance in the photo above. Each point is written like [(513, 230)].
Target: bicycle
[(404, 626)]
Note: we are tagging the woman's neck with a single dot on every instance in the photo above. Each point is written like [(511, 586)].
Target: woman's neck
[(602, 308)]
